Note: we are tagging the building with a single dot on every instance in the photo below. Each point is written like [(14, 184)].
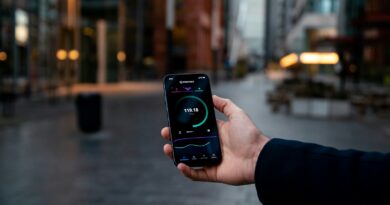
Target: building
[(246, 25), (376, 41), (278, 23), (299, 26), (92, 41), (296, 31), (312, 20), (27, 54), (73, 41), (363, 40), (373, 24), (358, 30), (117, 40), (192, 35)]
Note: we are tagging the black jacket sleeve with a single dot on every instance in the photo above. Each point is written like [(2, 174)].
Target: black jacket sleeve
[(291, 172)]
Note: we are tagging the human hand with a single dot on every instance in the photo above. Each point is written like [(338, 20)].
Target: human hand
[(241, 144)]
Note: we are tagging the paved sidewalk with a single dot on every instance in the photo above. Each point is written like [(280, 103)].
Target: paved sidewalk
[(369, 134), (40, 106), (124, 88)]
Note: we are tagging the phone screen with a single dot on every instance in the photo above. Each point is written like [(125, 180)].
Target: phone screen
[(194, 131)]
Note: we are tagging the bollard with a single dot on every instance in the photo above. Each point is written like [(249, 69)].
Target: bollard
[(89, 112)]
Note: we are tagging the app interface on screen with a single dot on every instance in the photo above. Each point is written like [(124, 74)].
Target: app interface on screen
[(192, 119)]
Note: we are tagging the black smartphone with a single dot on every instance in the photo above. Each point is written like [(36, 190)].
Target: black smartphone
[(191, 117)]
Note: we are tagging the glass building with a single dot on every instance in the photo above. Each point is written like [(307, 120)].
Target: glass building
[(53, 43)]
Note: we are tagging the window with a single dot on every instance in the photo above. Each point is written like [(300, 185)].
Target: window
[(323, 6)]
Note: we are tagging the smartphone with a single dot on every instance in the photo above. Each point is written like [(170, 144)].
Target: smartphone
[(191, 117)]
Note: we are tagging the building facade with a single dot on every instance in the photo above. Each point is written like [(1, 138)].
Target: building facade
[(192, 35), (358, 30), (52, 43), (278, 23), (73, 41), (363, 40), (29, 30), (312, 21)]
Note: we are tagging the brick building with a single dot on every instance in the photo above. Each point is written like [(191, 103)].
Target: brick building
[(192, 35)]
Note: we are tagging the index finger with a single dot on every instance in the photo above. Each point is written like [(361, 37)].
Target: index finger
[(226, 106), (165, 133)]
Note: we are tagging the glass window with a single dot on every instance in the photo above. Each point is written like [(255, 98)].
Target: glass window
[(326, 6), (323, 6)]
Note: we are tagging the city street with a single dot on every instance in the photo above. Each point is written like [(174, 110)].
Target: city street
[(45, 159)]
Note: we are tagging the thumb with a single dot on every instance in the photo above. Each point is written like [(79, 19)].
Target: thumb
[(225, 106)]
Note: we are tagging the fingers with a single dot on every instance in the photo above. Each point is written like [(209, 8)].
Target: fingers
[(168, 150), (225, 106), (165, 133), (196, 175)]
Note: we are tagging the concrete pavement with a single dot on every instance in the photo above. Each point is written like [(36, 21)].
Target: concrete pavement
[(370, 134)]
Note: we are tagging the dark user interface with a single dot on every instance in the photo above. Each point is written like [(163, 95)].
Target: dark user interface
[(192, 120)]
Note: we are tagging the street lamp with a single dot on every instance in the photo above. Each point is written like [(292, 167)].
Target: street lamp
[(121, 56), (3, 56), (289, 60), (21, 27), (74, 54), (61, 54), (330, 58), (67, 57), (71, 55), (310, 58)]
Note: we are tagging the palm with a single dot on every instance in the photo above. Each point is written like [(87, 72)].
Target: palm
[(236, 151)]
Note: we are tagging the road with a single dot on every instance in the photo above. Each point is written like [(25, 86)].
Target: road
[(44, 159)]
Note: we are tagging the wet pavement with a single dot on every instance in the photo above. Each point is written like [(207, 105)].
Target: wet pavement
[(44, 159)]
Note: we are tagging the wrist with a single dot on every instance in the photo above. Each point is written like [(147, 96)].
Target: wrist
[(253, 161)]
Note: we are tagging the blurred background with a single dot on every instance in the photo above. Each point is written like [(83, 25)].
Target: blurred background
[(81, 101)]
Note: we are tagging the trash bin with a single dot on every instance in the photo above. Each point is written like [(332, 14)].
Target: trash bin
[(89, 112)]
